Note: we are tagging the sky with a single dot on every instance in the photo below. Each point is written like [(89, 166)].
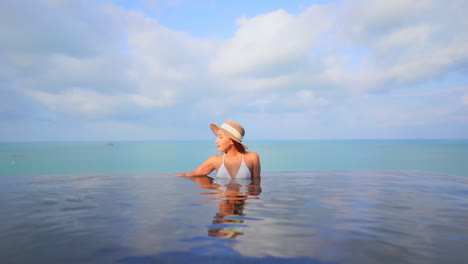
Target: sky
[(110, 70)]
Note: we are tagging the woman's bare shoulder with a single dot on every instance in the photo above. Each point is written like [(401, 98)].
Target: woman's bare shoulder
[(251, 155), (216, 158)]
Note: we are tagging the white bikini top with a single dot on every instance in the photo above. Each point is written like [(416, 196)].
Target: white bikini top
[(243, 172)]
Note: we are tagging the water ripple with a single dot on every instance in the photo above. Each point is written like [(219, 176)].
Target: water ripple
[(324, 217)]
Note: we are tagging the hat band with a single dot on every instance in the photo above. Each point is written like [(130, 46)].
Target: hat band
[(232, 130)]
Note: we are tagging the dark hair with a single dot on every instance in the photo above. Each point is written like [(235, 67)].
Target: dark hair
[(238, 146)]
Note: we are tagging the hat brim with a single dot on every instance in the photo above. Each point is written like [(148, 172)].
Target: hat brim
[(215, 128)]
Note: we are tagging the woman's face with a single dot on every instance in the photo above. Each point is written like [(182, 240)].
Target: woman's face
[(223, 142)]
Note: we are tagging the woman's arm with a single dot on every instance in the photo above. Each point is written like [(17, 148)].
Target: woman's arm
[(256, 168), (204, 169)]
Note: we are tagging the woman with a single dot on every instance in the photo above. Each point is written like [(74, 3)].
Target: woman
[(235, 162)]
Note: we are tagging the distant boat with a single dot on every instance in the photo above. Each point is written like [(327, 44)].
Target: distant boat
[(109, 144)]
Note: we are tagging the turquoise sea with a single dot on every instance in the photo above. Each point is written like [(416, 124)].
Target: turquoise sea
[(324, 201), (442, 156)]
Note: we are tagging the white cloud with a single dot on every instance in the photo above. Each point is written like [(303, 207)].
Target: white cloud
[(154, 67), (168, 66), (78, 102), (277, 50), (365, 20), (304, 99), (74, 28), (92, 60), (165, 98), (406, 37), (407, 41), (271, 44)]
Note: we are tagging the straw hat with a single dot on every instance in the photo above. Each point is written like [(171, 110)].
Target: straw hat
[(233, 130)]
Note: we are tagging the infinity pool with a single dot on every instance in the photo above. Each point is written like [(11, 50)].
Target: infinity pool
[(290, 217)]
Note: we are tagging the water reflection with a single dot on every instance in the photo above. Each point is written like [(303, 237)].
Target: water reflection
[(231, 196)]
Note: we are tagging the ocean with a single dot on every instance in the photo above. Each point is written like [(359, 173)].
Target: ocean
[(441, 156), (330, 201)]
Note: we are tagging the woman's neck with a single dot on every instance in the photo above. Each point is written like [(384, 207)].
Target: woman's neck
[(233, 152)]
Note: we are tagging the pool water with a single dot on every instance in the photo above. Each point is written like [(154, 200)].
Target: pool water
[(290, 217)]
